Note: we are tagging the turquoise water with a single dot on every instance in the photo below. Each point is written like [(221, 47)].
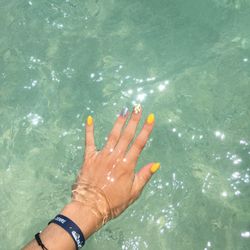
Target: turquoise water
[(186, 61)]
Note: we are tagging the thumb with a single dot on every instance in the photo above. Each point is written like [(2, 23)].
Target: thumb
[(144, 175)]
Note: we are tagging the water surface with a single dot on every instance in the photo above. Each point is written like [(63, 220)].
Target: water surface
[(186, 61)]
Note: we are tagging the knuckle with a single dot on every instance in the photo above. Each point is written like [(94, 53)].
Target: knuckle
[(128, 135), (139, 145), (113, 137), (136, 117), (146, 131), (136, 193), (89, 132)]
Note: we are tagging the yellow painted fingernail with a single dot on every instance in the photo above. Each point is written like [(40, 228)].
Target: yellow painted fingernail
[(150, 118), (89, 120), (155, 167)]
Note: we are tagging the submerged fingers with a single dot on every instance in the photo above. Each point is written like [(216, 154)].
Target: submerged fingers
[(120, 138), (129, 132), (143, 177), (141, 140), (89, 137), (117, 130)]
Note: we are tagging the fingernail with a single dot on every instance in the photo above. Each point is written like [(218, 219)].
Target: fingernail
[(155, 167), (150, 118), (137, 108), (89, 120), (124, 112)]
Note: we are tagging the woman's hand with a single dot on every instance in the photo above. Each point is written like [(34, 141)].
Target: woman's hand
[(107, 182)]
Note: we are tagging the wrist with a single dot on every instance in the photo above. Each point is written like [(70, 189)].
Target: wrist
[(94, 199), (85, 217)]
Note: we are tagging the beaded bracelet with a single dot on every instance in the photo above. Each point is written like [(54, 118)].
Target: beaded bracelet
[(39, 241)]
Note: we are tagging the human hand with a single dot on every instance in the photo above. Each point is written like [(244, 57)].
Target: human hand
[(107, 182)]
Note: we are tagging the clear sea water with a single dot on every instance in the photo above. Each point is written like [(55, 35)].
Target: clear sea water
[(186, 61)]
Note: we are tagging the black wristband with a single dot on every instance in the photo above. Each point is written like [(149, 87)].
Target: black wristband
[(69, 226)]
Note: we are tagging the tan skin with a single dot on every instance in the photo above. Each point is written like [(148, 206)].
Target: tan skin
[(107, 183)]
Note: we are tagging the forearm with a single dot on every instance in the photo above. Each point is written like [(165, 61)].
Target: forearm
[(54, 237)]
